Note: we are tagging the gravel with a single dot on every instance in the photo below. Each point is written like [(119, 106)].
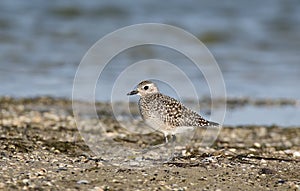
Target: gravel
[(41, 149)]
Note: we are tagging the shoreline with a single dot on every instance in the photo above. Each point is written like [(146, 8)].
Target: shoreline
[(41, 148)]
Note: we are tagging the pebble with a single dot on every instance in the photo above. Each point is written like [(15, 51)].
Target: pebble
[(263, 161), (292, 152), (202, 178), (296, 154), (82, 182), (2, 185), (117, 181), (51, 116), (47, 183), (62, 168), (25, 181), (257, 145), (96, 189), (296, 187), (41, 172)]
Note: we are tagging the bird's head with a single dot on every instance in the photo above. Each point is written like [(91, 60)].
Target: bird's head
[(145, 88)]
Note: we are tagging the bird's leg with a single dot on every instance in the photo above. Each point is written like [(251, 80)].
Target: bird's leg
[(173, 138), (173, 142), (166, 138)]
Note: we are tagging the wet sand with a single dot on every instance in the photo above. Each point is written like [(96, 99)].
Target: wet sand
[(41, 149)]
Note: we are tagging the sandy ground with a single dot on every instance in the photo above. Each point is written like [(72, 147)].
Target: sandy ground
[(41, 149)]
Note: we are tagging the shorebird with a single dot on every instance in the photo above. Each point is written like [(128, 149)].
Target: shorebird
[(165, 113)]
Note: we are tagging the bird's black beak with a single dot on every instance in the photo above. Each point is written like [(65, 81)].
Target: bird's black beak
[(133, 92)]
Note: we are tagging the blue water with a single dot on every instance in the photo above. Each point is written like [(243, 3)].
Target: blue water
[(256, 44)]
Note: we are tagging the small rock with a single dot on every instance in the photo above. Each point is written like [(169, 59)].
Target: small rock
[(62, 168), (82, 182), (288, 144), (292, 152), (202, 178), (2, 185), (25, 181), (51, 116), (97, 189), (41, 172), (116, 181), (257, 145), (47, 183), (263, 161), (296, 154), (296, 187)]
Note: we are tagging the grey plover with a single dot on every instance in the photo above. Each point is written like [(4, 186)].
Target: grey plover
[(165, 113)]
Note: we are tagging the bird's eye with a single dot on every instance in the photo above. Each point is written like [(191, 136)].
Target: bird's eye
[(146, 87)]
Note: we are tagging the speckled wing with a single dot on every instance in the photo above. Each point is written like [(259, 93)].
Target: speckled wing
[(176, 114), (158, 106), (170, 112), (191, 118)]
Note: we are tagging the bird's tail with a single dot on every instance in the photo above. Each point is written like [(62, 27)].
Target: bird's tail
[(213, 124)]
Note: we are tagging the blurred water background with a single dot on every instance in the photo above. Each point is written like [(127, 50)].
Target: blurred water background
[(256, 44)]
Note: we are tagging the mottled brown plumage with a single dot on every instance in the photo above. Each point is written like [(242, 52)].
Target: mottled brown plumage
[(164, 113)]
